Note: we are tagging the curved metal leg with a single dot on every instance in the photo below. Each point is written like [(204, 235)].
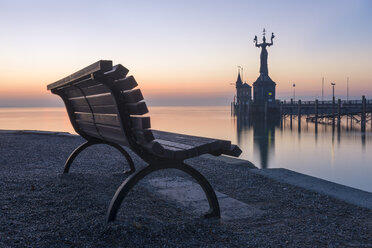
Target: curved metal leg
[(75, 153), (85, 145), (127, 157), (128, 184)]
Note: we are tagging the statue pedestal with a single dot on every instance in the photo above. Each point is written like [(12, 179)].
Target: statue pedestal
[(264, 90)]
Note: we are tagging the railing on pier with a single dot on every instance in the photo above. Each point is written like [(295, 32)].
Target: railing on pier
[(327, 111)]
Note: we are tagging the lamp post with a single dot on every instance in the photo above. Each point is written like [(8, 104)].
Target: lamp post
[(347, 89), (294, 92), (333, 92), (322, 89)]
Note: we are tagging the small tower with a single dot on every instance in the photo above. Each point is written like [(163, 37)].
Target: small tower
[(243, 92)]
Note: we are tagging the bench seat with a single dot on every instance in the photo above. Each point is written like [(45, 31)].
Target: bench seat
[(180, 146)]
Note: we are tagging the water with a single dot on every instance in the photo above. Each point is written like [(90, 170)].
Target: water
[(343, 156)]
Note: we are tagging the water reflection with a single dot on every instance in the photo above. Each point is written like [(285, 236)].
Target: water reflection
[(264, 133)]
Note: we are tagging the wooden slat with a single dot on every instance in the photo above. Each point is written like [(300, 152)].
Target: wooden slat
[(233, 151), (99, 66), (174, 153), (117, 72), (82, 108), (143, 136), (132, 96), (89, 82), (108, 119), (108, 109), (88, 128), (92, 90), (127, 83), (203, 144), (140, 122), (112, 133), (174, 144), (185, 151), (97, 89), (139, 108), (78, 101), (154, 147), (101, 99), (86, 117), (73, 92)]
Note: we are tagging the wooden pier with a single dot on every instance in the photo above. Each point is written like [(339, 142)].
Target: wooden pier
[(329, 112)]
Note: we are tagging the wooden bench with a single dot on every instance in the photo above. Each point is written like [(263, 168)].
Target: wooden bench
[(105, 107)]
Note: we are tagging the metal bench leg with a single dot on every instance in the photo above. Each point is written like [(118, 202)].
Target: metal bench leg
[(128, 184), (214, 207), (75, 153), (85, 145), (127, 157)]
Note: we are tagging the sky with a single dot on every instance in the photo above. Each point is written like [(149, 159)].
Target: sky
[(186, 52)]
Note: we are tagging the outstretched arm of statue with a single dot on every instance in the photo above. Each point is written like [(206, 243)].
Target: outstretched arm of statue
[(255, 41), (272, 38)]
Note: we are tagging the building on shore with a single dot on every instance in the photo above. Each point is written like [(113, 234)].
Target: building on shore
[(243, 92)]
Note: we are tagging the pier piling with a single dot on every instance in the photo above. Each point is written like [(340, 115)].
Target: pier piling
[(363, 114), (299, 115), (316, 115), (338, 113)]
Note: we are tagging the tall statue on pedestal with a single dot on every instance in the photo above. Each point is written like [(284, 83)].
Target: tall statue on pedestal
[(264, 87), (263, 68)]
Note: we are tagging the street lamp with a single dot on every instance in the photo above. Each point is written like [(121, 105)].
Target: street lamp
[(294, 92), (333, 92)]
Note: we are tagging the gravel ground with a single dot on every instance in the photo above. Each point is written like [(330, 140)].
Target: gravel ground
[(41, 208)]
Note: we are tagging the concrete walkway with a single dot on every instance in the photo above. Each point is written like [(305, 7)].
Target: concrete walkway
[(341, 192), (191, 196)]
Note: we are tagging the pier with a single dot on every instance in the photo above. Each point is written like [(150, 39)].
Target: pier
[(329, 112)]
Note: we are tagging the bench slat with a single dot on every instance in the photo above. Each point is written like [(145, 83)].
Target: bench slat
[(72, 92), (143, 136), (203, 144), (84, 109), (140, 122), (78, 101), (88, 128), (86, 83), (101, 99), (127, 83), (109, 119), (233, 151), (112, 133), (132, 96), (117, 72), (86, 117), (179, 149), (100, 66), (139, 108), (108, 109), (95, 90)]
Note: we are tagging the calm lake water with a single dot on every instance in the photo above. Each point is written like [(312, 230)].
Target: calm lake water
[(343, 156)]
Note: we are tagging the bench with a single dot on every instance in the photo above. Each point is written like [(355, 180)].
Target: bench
[(105, 107)]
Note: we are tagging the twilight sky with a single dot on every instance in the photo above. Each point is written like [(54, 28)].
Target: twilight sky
[(186, 52)]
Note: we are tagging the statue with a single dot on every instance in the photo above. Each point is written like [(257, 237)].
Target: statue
[(263, 68)]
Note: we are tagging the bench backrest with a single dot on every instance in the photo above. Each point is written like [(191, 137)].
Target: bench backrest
[(102, 103)]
